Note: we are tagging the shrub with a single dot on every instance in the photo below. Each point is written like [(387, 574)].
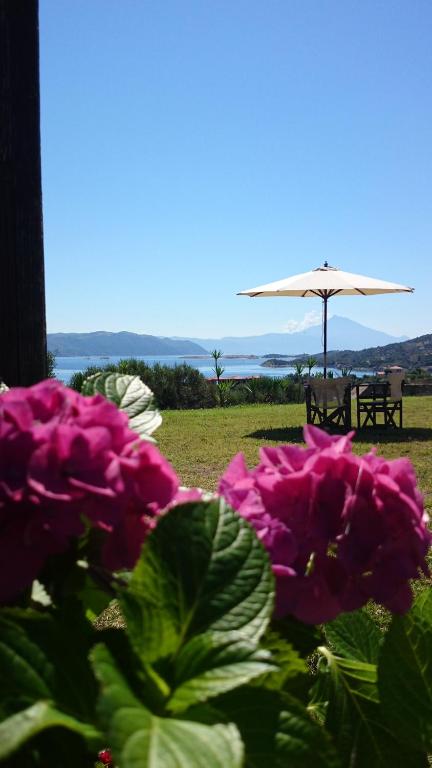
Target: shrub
[(77, 379), (271, 389), (182, 386), (267, 389), (196, 391), (51, 364), (174, 387), (290, 389)]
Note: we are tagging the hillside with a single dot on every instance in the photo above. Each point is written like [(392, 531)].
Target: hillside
[(414, 353), (342, 332), (122, 343)]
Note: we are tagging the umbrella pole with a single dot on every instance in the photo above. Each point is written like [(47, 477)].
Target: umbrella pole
[(325, 299)]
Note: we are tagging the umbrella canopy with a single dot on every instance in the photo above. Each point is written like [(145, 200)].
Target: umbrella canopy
[(326, 282)]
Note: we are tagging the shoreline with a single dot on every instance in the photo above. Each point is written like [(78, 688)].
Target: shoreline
[(223, 357)]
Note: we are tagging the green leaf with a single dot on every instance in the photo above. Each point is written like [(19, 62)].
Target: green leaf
[(94, 599), (25, 673), (357, 677), (302, 742), (197, 603), (405, 674), (202, 570), (355, 636), (277, 730), (207, 666), (60, 641), (290, 665), (351, 693), (46, 683), (140, 739), (143, 679), (16, 730), (355, 719), (131, 395)]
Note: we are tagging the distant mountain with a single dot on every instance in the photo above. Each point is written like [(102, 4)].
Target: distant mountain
[(122, 343), (342, 334), (414, 353)]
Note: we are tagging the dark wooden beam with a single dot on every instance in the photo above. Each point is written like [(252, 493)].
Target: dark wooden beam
[(22, 285)]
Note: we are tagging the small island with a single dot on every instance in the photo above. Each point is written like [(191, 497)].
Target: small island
[(223, 357), (276, 363), (276, 354), (240, 357)]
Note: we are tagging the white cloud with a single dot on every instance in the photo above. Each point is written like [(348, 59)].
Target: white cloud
[(311, 318)]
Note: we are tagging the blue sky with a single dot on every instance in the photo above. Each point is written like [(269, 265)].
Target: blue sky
[(195, 148)]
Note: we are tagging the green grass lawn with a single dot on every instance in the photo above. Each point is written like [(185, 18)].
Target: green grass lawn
[(200, 443)]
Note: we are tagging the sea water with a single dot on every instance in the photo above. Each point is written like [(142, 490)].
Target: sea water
[(233, 366)]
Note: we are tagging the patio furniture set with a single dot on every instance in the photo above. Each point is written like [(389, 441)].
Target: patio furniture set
[(329, 402)]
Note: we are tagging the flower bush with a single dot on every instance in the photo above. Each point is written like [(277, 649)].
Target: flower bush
[(227, 597), (67, 461), (341, 529)]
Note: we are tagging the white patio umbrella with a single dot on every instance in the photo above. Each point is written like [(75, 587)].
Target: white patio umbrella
[(326, 282)]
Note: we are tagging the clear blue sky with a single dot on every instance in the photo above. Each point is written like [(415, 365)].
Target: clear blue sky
[(195, 148)]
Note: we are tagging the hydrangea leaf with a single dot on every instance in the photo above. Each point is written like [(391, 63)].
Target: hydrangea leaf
[(292, 669), (405, 674), (354, 717), (140, 739), (94, 599), (131, 396), (25, 672), (16, 730), (198, 601), (277, 730), (355, 636), (300, 741), (202, 570), (348, 687), (40, 663), (208, 666), (54, 646)]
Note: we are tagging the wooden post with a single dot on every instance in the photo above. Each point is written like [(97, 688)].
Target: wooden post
[(22, 289)]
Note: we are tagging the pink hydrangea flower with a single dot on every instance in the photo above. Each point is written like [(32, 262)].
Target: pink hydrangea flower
[(65, 458), (340, 529)]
